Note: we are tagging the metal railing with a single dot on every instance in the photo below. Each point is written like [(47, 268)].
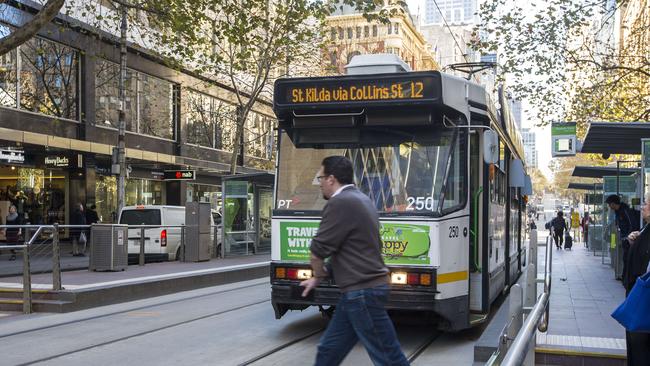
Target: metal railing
[(25, 249), (517, 345)]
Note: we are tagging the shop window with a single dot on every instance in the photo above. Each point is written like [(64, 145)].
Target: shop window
[(143, 192), (8, 75), (200, 119), (49, 78), (259, 136), (107, 102), (155, 98), (210, 122)]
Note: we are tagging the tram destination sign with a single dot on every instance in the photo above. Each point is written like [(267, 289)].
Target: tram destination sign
[(362, 89)]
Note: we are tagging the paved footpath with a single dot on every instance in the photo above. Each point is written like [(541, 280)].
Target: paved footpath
[(584, 294)]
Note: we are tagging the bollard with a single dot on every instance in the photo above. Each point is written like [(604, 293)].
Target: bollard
[(515, 311), (56, 260), (141, 259), (27, 282), (531, 286), (532, 247), (182, 252)]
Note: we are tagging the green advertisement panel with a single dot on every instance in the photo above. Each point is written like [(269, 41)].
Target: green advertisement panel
[(626, 184), (401, 243)]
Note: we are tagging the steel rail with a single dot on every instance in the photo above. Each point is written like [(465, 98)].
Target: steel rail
[(518, 351)]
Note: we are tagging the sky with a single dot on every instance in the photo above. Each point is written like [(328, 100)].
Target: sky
[(528, 119)]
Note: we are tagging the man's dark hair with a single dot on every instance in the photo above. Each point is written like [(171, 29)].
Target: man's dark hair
[(613, 198), (340, 167), (560, 213)]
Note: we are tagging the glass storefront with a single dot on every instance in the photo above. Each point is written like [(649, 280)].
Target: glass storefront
[(205, 193), (39, 195), (137, 192)]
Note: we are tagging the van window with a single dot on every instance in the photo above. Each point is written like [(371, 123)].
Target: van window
[(140, 217)]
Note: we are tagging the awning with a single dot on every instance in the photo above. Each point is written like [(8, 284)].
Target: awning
[(615, 137), (586, 186), (259, 178), (601, 171)]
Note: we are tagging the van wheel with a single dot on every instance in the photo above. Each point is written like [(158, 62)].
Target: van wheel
[(178, 254)]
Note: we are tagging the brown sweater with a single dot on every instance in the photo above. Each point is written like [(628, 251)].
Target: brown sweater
[(349, 234)]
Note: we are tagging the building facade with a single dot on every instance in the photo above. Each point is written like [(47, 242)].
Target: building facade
[(529, 138), (59, 113), (450, 11), (351, 34)]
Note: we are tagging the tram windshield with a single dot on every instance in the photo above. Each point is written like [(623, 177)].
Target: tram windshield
[(402, 178)]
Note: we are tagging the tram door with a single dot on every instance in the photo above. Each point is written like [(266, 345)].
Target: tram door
[(476, 225)]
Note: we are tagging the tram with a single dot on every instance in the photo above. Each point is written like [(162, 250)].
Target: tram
[(438, 160)]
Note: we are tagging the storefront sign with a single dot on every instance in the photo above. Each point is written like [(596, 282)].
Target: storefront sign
[(563, 138), (158, 175), (180, 175), (56, 161), (12, 156), (401, 243)]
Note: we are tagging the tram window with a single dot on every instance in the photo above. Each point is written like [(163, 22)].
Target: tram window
[(399, 178)]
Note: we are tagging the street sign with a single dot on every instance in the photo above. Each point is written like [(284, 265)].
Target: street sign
[(180, 175), (12, 156), (563, 139)]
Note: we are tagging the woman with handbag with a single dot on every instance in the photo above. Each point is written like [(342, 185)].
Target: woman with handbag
[(78, 234), (12, 235), (637, 264)]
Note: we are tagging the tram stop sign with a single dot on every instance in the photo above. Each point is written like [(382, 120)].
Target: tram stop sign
[(563, 138)]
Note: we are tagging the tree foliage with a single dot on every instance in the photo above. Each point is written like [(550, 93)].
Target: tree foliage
[(563, 57), (31, 27)]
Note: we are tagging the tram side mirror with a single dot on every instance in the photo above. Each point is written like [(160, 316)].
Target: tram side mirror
[(490, 147)]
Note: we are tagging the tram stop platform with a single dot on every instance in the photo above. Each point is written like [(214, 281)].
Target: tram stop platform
[(581, 331), (83, 289)]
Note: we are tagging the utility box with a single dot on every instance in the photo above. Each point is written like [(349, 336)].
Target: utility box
[(197, 232), (108, 247)]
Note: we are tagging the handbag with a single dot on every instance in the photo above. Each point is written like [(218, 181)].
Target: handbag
[(634, 313), (82, 239)]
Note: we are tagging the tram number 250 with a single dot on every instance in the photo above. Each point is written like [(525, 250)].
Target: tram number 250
[(453, 231), (420, 203)]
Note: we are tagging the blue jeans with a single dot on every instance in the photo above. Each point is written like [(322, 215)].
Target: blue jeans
[(360, 316)]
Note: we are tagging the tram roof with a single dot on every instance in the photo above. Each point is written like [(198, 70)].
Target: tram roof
[(615, 137), (586, 186), (600, 171)]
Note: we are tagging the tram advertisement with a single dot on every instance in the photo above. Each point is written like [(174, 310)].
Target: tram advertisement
[(401, 243)]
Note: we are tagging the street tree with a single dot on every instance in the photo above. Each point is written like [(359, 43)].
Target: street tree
[(30, 28), (561, 53)]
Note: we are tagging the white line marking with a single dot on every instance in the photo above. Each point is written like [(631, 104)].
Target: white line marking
[(579, 341), (140, 279)]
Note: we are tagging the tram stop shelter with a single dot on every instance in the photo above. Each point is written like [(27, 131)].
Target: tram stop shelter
[(626, 180), (247, 206)]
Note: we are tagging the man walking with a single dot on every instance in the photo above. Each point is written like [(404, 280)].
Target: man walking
[(627, 220), (559, 225), (349, 236)]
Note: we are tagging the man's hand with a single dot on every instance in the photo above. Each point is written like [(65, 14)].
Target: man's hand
[(633, 236), (309, 285)]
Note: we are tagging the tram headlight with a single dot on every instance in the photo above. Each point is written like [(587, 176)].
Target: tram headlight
[(398, 278), (304, 274)]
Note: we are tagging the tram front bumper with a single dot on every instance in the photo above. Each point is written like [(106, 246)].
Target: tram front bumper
[(286, 297)]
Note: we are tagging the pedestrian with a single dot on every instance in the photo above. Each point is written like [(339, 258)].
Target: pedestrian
[(78, 234), (91, 215), (586, 221), (349, 236), (637, 264), (12, 235), (627, 220), (559, 225)]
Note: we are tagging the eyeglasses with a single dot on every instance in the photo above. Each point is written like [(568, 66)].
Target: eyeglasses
[(321, 177)]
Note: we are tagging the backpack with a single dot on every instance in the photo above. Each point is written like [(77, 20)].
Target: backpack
[(568, 240)]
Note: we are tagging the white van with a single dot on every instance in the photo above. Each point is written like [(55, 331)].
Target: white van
[(159, 243)]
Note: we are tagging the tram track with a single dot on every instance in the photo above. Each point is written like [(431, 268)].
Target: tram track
[(422, 347), (175, 301), (143, 333)]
